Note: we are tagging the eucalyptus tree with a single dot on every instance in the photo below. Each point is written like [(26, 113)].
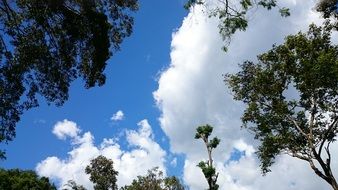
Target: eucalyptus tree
[(304, 125)]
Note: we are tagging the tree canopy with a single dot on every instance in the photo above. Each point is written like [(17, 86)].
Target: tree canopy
[(16, 179), (154, 180), (45, 45), (329, 9), (303, 125), (102, 173)]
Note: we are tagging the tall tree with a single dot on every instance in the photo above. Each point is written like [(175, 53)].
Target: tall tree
[(45, 45), (102, 173), (209, 171), (303, 127), (15, 179), (154, 180)]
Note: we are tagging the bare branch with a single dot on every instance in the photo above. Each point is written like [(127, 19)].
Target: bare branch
[(331, 127), (302, 157)]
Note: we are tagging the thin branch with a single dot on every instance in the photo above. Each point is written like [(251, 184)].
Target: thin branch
[(328, 160), (326, 135), (297, 126), (302, 157), (12, 16), (312, 117), (4, 44), (7, 9)]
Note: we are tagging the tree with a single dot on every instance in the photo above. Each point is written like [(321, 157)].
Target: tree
[(72, 185), (102, 173), (154, 180), (209, 171), (173, 183), (329, 8), (16, 179), (45, 45), (232, 14), (303, 127)]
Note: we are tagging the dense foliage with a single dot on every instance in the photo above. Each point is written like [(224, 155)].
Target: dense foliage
[(16, 179), (102, 173), (329, 9), (304, 123), (209, 171), (154, 180), (45, 45)]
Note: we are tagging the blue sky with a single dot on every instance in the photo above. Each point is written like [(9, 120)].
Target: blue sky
[(131, 79), (167, 80)]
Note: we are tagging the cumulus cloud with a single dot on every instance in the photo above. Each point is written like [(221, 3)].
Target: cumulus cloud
[(191, 92), (118, 116), (143, 154), (65, 128)]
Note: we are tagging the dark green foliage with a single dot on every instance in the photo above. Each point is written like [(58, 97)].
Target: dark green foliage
[(45, 45), (233, 14), (71, 185), (209, 171), (15, 179), (328, 8), (154, 180), (173, 183), (102, 173), (302, 127), (191, 3)]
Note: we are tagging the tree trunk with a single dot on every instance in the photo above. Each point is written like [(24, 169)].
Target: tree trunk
[(334, 183)]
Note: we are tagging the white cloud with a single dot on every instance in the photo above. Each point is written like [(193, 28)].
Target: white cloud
[(143, 154), (65, 128), (118, 116), (191, 92)]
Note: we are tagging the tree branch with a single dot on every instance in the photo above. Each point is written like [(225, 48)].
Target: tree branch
[(4, 44), (326, 135), (297, 126), (318, 172), (312, 117), (326, 168), (328, 160)]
